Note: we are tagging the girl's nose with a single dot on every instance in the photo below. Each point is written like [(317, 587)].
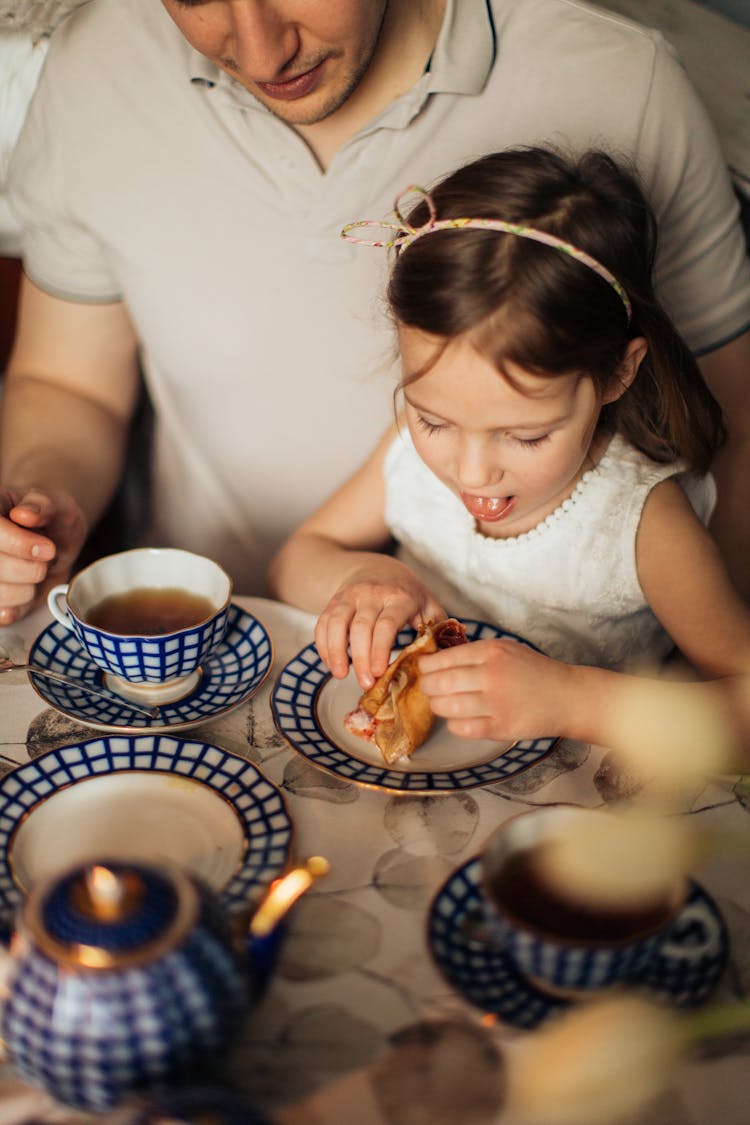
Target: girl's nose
[(263, 42), (477, 466)]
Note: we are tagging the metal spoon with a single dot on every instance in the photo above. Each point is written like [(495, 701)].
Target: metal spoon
[(7, 665)]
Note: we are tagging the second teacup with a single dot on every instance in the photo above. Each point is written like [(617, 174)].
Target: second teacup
[(563, 945), (148, 618)]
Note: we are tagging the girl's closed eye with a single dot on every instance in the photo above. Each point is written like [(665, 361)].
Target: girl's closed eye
[(530, 443), (428, 426)]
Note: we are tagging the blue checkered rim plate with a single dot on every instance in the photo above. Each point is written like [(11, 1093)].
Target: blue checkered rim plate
[(683, 971), (258, 805), (296, 711), (233, 672)]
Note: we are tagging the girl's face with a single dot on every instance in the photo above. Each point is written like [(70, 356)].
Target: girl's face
[(511, 455)]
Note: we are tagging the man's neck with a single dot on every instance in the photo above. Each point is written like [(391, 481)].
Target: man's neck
[(407, 40)]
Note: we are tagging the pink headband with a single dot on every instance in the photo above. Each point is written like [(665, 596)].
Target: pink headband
[(406, 235)]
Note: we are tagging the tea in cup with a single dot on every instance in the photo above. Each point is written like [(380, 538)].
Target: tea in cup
[(564, 943), (149, 618)]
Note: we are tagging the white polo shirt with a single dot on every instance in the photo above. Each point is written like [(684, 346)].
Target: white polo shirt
[(145, 174)]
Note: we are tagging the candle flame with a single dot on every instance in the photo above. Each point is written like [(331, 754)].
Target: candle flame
[(106, 891)]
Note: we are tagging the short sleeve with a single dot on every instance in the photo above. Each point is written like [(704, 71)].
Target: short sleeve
[(61, 253), (701, 245)]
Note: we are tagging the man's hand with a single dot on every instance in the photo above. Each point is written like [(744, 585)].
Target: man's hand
[(41, 534)]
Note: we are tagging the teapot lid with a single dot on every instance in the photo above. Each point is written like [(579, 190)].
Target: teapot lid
[(110, 915)]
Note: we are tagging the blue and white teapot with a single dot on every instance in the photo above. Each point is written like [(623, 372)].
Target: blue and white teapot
[(125, 975)]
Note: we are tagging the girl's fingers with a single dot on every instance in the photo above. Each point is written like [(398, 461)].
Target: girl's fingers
[(470, 728), (360, 645), (462, 705), (332, 640), (383, 638), (450, 681)]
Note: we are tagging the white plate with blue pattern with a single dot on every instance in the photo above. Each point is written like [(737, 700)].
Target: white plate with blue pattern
[(309, 706), (683, 971), (147, 797), (236, 669)]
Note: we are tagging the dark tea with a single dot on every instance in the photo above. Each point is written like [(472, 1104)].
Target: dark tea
[(150, 612), (521, 890)]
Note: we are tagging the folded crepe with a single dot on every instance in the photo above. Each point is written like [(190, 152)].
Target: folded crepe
[(395, 713)]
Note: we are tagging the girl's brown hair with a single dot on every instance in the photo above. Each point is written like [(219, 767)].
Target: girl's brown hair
[(539, 308)]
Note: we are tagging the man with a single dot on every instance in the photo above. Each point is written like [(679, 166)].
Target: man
[(183, 177)]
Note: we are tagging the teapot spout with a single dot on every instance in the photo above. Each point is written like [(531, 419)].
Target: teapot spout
[(283, 893)]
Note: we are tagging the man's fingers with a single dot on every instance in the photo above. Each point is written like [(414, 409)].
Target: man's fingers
[(9, 614), (34, 509)]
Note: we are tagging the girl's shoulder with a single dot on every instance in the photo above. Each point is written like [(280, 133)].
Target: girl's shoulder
[(623, 466), (621, 456)]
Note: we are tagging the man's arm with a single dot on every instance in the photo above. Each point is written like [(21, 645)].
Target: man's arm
[(727, 372), (70, 390)]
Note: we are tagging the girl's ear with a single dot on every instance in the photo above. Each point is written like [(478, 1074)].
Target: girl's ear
[(628, 369)]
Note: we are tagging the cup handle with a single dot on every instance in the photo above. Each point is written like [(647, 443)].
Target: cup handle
[(54, 606)]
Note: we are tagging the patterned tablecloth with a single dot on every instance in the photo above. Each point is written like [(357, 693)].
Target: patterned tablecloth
[(359, 1025)]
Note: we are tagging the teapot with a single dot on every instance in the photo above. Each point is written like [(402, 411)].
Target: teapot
[(123, 975)]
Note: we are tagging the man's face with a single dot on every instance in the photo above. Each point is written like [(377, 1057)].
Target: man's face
[(300, 58)]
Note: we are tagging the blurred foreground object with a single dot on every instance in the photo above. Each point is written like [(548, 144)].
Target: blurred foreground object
[(672, 732), (604, 1061)]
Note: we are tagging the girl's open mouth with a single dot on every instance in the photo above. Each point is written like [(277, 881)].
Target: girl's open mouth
[(488, 509)]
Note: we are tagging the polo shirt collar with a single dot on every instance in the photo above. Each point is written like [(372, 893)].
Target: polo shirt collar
[(200, 69), (465, 49)]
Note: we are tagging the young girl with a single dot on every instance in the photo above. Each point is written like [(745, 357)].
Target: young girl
[(549, 472)]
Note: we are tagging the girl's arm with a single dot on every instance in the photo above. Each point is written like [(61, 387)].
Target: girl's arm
[(688, 586), (335, 565)]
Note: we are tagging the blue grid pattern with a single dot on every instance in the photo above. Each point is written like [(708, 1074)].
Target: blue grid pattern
[(691, 958), (294, 704), (684, 969), (258, 804), (90, 1038), (236, 668), (151, 659)]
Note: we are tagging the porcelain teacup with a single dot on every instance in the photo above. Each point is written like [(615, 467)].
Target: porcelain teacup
[(563, 944), (149, 618)]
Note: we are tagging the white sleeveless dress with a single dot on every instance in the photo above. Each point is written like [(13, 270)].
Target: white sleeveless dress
[(570, 584)]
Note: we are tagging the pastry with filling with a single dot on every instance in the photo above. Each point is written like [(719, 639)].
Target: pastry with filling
[(395, 713)]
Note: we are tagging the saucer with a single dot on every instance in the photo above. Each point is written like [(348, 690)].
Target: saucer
[(683, 971), (235, 669), (150, 797), (309, 706)]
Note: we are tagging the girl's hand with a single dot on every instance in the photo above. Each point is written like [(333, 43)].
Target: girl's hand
[(365, 615), (498, 689)]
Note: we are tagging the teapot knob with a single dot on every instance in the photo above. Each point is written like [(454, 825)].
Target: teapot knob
[(110, 915)]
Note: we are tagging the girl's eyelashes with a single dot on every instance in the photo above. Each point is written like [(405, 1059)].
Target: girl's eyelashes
[(428, 426), (436, 428), (530, 443)]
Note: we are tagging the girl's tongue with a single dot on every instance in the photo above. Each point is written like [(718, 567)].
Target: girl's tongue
[(488, 509)]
